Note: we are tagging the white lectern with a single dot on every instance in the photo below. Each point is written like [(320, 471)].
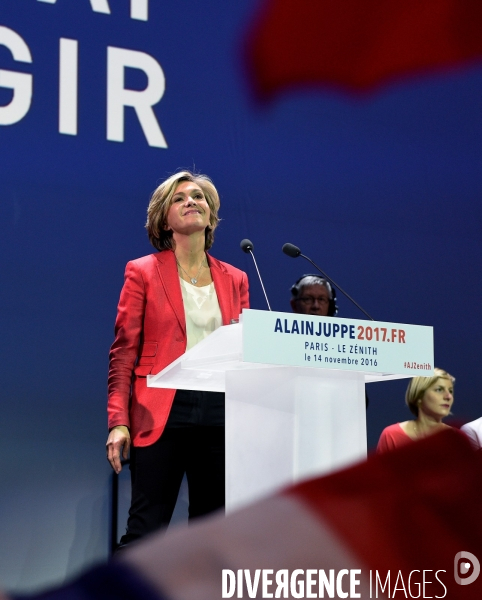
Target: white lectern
[(295, 391)]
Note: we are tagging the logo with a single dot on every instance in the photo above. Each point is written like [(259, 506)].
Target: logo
[(465, 563)]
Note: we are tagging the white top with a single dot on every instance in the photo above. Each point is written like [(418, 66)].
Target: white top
[(202, 311), (473, 431)]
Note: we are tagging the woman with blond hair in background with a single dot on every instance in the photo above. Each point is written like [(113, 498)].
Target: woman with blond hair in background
[(430, 399)]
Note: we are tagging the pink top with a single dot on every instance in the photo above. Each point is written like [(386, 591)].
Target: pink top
[(392, 437)]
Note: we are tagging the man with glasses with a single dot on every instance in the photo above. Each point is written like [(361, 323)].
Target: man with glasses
[(313, 295)]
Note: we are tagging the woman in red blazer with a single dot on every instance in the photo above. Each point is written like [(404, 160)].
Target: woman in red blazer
[(171, 300)]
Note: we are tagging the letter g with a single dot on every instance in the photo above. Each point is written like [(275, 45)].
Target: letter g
[(20, 83)]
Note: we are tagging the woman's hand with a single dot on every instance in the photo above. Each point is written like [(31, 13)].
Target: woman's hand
[(119, 440)]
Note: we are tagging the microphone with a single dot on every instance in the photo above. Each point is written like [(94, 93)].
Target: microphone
[(247, 246), (294, 252), (291, 250)]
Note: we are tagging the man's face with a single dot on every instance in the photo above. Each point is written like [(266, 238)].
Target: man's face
[(313, 300)]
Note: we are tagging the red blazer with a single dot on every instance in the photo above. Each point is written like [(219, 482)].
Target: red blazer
[(150, 332)]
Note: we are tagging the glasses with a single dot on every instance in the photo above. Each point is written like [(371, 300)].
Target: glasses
[(310, 300)]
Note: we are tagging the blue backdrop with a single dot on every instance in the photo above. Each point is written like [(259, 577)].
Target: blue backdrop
[(382, 191)]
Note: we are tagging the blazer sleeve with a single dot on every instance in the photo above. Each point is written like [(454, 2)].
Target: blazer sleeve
[(124, 351)]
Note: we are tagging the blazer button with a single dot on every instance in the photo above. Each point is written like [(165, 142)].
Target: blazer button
[(178, 339)]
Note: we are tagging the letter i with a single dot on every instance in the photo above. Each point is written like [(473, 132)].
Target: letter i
[(240, 583), (68, 81)]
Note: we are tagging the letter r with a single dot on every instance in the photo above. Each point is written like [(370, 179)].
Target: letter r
[(118, 59)]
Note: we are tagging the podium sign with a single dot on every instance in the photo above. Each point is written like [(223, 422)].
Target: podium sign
[(331, 343)]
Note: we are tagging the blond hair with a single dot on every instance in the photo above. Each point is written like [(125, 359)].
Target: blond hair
[(160, 203), (419, 385)]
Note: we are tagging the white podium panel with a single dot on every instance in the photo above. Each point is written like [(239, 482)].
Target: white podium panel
[(287, 424)]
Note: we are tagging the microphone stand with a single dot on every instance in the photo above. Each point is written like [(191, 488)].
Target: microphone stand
[(247, 246), (294, 252)]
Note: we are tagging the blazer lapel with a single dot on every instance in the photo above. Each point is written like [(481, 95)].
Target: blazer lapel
[(166, 267), (223, 284)]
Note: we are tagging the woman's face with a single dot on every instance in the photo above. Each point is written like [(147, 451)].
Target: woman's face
[(438, 399), (189, 211)]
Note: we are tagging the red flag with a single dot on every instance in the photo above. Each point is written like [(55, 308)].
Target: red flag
[(359, 44), (407, 511), (407, 521)]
